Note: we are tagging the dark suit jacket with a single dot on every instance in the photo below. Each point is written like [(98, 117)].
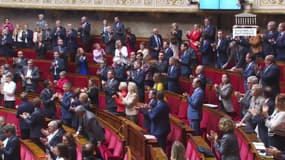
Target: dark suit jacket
[(238, 55), (28, 34), (71, 41), (280, 47), (58, 67), (41, 50), (62, 50), (85, 33), (91, 127), (6, 45), (270, 77), (36, 122), (119, 30), (109, 41), (228, 147), (18, 65), (56, 139), (206, 51), (24, 107), (47, 34), (147, 122), (12, 149), (93, 95), (159, 117), (162, 66), (111, 89), (35, 76), (55, 35), (172, 77), (49, 105), (168, 52), (269, 48), (187, 61), (154, 44), (221, 50), (120, 72), (210, 30), (245, 102), (195, 103), (249, 70), (65, 105)]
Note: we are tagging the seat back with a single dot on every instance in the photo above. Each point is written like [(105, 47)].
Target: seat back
[(173, 100)]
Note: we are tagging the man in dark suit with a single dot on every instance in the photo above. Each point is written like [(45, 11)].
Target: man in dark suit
[(35, 121), (119, 30), (71, 41), (111, 88), (173, 75), (195, 102), (151, 104), (57, 66), (109, 40), (18, 64), (2, 128), (47, 36), (120, 71), (58, 32), (207, 51), (47, 97), (200, 73), (30, 76), (220, 49), (209, 29), (168, 52), (269, 39), (159, 120), (155, 43), (280, 43), (89, 125), (270, 75), (11, 150), (84, 31), (162, 63), (236, 53), (65, 102), (62, 50), (187, 60), (250, 68), (24, 107), (27, 37), (137, 75), (6, 47)]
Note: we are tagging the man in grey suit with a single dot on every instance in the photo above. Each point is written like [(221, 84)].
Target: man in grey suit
[(89, 125), (30, 76), (111, 88)]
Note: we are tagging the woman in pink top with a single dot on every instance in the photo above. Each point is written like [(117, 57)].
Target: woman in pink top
[(98, 53), (194, 37)]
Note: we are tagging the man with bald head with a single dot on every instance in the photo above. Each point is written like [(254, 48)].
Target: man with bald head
[(269, 38), (155, 43), (270, 75)]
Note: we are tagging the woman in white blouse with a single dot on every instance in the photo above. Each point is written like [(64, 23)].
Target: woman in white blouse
[(98, 53), (121, 52), (130, 102), (8, 91), (276, 123)]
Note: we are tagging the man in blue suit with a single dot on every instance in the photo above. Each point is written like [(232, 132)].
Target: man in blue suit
[(280, 43), (58, 32), (173, 75), (220, 49), (47, 97), (168, 52), (249, 69), (206, 51), (209, 29), (270, 75), (62, 50), (195, 102), (65, 101), (159, 117), (111, 88), (137, 75), (155, 43), (57, 65), (24, 107), (11, 150), (27, 37), (269, 38), (84, 31), (187, 60), (71, 41), (119, 29)]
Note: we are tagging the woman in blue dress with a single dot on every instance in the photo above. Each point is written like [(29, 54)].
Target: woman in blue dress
[(81, 62)]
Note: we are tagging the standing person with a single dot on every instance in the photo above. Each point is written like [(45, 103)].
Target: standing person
[(27, 36), (24, 107), (269, 38), (206, 50), (57, 33), (35, 121), (92, 90), (195, 103), (81, 62), (65, 101), (41, 21), (57, 66), (98, 53), (271, 74), (168, 51), (220, 49), (8, 24), (9, 89), (11, 150), (151, 104), (61, 152), (250, 68), (130, 102), (69, 140), (41, 49), (47, 98), (6, 43), (84, 30), (159, 120), (122, 93), (130, 40), (109, 40), (155, 43), (18, 63), (227, 145), (119, 29), (30, 75), (121, 52), (187, 60), (175, 39), (137, 75), (62, 50), (47, 36), (71, 41), (280, 43), (194, 37), (173, 75), (224, 92), (111, 87), (209, 29)]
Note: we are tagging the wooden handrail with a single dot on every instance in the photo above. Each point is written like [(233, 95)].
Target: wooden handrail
[(37, 152)]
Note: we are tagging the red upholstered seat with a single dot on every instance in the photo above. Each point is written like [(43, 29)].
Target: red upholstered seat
[(78, 152), (183, 107), (44, 68), (23, 151), (71, 68), (140, 119), (173, 100), (191, 152), (117, 152), (174, 135), (235, 80), (93, 68), (185, 85), (78, 81), (107, 135), (29, 54), (11, 118)]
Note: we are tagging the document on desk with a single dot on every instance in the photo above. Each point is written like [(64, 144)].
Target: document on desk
[(149, 136), (259, 145)]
